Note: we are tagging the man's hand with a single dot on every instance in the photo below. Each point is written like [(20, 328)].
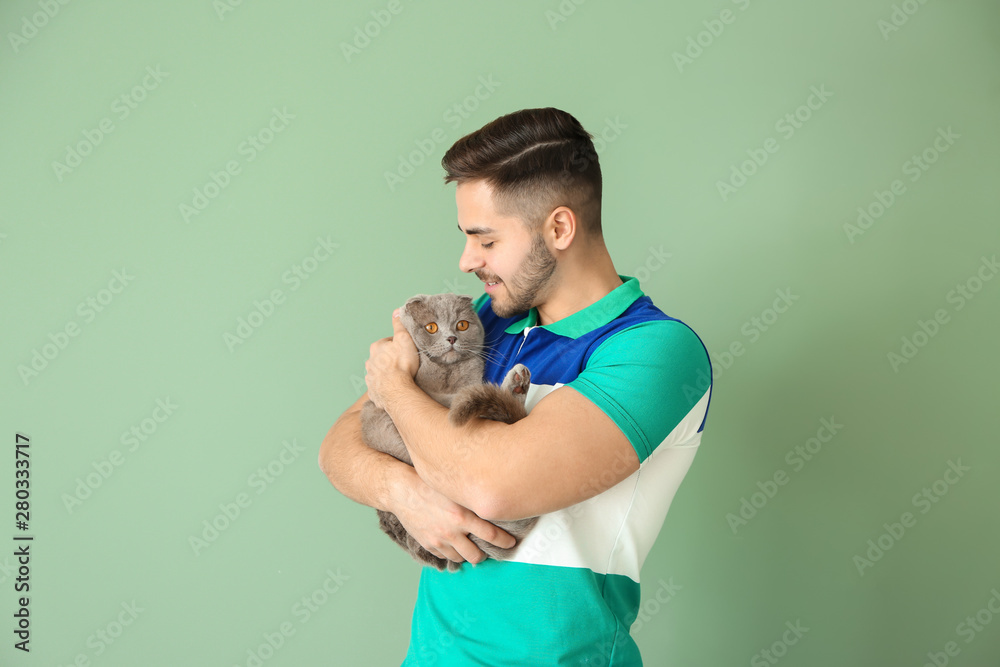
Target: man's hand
[(440, 525), (435, 521), (390, 360)]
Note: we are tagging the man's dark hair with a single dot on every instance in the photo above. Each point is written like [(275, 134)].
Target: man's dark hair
[(534, 160)]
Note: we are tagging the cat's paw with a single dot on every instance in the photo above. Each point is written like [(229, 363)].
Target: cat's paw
[(517, 380)]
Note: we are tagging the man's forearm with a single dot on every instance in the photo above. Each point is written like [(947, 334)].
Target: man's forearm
[(356, 470), (454, 461)]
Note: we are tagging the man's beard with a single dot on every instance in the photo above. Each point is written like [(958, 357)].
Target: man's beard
[(529, 279)]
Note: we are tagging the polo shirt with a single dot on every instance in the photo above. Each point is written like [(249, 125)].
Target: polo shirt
[(570, 593)]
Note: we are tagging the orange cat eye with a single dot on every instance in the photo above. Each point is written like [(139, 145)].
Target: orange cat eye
[(462, 325), (432, 327)]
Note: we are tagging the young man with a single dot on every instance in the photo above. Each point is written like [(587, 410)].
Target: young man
[(617, 403)]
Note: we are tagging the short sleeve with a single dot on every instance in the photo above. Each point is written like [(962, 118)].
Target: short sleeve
[(647, 378)]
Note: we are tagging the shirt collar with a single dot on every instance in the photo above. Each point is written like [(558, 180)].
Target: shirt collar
[(596, 315)]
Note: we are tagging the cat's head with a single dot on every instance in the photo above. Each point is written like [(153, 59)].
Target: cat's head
[(444, 327)]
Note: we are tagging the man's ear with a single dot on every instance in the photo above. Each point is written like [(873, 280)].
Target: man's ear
[(564, 226)]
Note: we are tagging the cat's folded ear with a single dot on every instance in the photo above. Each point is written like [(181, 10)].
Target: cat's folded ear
[(464, 297), (419, 298)]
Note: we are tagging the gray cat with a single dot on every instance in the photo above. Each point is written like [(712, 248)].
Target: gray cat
[(450, 339)]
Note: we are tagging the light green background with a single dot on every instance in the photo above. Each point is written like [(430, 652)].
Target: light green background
[(680, 131)]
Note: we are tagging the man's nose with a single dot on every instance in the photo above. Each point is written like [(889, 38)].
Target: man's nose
[(470, 259)]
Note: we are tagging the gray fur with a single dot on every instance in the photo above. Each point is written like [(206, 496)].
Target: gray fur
[(453, 376)]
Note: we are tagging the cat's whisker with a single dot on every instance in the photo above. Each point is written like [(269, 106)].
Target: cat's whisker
[(494, 357), (478, 346), (448, 368), (487, 354)]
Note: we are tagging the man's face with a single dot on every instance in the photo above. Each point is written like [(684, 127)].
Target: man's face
[(500, 250)]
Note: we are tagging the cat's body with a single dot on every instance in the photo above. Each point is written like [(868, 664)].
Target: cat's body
[(449, 337)]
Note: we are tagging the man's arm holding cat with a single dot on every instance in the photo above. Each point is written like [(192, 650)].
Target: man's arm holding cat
[(378, 480), (565, 451)]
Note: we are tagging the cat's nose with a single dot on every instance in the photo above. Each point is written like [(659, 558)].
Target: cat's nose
[(452, 339)]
